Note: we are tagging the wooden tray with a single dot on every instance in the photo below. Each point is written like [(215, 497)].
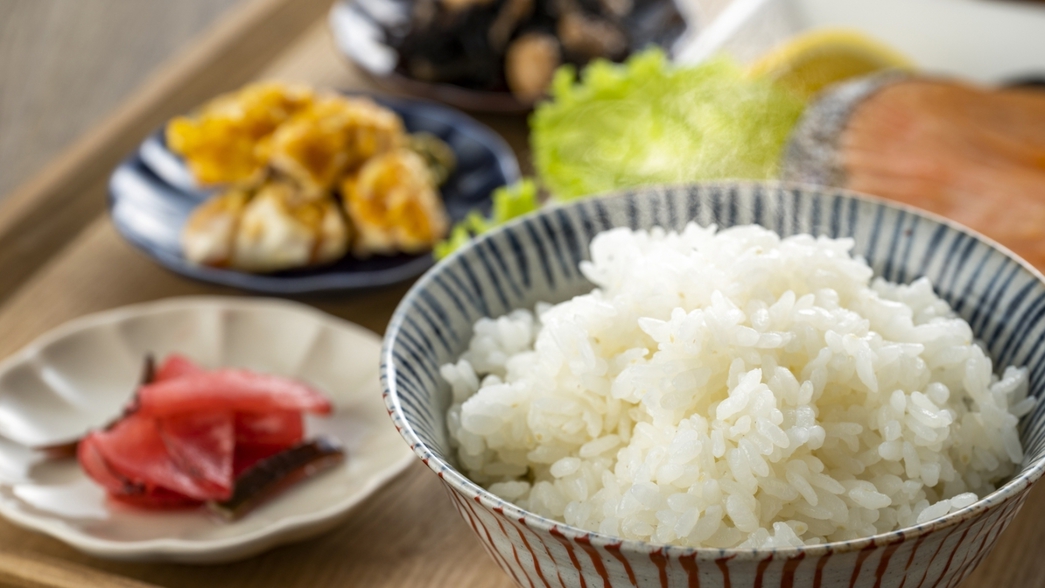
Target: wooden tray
[(60, 258)]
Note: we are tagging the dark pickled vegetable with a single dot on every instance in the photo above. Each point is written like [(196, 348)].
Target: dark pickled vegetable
[(148, 370), (510, 45), (272, 474)]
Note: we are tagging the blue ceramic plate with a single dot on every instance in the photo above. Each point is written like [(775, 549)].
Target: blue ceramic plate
[(152, 193)]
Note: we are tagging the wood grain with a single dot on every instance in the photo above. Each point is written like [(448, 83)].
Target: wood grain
[(22, 570)]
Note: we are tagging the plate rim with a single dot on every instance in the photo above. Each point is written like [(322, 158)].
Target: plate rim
[(201, 550)]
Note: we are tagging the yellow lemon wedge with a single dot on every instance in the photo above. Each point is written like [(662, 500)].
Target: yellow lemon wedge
[(812, 61)]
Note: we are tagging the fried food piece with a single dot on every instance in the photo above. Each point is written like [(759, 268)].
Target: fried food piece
[(334, 136), (276, 228), (220, 143), (280, 229), (208, 235), (394, 205)]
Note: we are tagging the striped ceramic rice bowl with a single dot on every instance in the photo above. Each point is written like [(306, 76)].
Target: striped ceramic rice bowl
[(539, 258)]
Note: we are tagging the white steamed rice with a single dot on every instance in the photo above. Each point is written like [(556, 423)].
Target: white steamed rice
[(734, 389)]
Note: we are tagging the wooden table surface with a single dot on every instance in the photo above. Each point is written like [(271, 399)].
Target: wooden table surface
[(74, 62), (407, 534)]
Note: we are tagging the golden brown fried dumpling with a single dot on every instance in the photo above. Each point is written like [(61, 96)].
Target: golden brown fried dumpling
[(209, 233), (279, 229), (223, 142), (334, 136), (393, 205)]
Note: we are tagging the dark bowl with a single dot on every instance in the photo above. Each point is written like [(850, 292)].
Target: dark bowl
[(356, 26)]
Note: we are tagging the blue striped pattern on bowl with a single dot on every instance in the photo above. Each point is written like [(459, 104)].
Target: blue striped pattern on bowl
[(536, 259)]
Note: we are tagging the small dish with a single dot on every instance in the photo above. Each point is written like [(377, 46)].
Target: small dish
[(78, 377), (356, 26), (358, 36), (152, 193)]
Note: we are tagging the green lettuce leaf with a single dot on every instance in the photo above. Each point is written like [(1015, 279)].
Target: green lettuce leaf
[(647, 121), (508, 202)]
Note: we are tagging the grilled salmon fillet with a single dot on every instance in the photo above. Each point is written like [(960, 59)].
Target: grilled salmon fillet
[(970, 153)]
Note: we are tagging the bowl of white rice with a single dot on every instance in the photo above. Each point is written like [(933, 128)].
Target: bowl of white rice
[(728, 384)]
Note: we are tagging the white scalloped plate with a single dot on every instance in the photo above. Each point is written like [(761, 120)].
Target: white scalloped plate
[(79, 376)]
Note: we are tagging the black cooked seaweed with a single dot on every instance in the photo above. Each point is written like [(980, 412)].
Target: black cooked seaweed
[(464, 42)]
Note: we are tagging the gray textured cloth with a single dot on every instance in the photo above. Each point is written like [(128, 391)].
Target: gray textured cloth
[(811, 155)]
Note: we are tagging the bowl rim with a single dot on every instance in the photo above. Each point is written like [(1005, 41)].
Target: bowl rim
[(1013, 489)]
